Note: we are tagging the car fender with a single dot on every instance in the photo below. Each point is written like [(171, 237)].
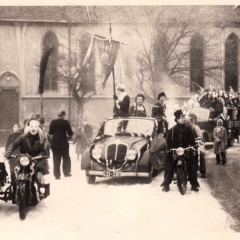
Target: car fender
[(143, 164), (86, 160)]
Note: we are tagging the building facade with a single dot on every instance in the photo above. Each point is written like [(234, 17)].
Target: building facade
[(26, 33)]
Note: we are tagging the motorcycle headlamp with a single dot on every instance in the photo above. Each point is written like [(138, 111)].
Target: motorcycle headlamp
[(180, 151), (131, 155), (24, 160), (97, 153)]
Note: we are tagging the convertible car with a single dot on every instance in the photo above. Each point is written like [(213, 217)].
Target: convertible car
[(125, 147)]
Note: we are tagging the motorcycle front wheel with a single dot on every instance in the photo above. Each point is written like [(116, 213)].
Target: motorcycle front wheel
[(22, 196), (181, 180)]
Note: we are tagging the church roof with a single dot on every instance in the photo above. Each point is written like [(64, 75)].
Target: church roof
[(83, 14)]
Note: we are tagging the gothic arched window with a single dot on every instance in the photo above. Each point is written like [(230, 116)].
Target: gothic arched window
[(196, 62), (231, 62), (50, 40)]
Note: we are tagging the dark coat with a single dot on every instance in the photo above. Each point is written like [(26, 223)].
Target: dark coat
[(158, 110), (11, 138), (180, 135), (134, 111), (29, 144), (59, 128), (123, 111)]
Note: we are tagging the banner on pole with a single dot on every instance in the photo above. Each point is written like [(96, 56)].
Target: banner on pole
[(43, 68), (105, 51)]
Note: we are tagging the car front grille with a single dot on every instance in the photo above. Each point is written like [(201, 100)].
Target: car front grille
[(116, 152)]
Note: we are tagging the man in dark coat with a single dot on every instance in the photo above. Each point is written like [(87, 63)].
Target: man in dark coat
[(158, 112), (59, 129), (180, 135)]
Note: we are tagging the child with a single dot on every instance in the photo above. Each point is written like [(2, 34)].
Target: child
[(220, 142)]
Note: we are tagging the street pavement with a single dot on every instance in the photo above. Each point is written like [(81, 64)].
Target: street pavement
[(117, 208)]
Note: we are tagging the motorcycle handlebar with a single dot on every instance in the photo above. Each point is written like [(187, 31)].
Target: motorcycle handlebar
[(187, 148), (33, 158)]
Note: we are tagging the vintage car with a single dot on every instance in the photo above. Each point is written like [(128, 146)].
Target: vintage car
[(125, 147), (207, 124)]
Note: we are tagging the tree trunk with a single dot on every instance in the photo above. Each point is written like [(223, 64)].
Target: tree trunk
[(79, 114)]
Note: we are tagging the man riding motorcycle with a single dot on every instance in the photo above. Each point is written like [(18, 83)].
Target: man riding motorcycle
[(31, 142), (180, 135)]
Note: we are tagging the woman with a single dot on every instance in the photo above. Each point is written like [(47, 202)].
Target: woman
[(81, 141), (138, 109), (32, 143)]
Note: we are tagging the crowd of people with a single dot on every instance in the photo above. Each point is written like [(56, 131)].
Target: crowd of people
[(34, 140)]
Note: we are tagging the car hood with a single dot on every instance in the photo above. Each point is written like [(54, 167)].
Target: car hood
[(135, 143)]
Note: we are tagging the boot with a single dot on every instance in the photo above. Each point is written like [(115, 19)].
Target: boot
[(47, 189), (166, 188), (194, 188)]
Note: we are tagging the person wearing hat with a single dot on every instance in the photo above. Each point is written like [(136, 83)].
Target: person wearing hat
[(59, 131), (158, 112), (32, 142), (180, 135), (220, 142), (122, 102)]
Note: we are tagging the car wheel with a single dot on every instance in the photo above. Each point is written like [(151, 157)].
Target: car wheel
[(149, 178), (90, 178)]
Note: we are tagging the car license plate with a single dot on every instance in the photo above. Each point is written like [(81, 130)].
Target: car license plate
[(111, 174)]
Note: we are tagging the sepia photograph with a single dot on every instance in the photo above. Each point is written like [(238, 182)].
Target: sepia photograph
[(120, 120)]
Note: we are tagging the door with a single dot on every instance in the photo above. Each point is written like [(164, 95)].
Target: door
[(9, 108)]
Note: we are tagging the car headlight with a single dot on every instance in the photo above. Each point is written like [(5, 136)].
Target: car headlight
[(180, 151), (131, 155), (24, 160), (97, 153)]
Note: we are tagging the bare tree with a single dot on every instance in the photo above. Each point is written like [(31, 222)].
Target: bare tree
[(80, 79), (164, 49)]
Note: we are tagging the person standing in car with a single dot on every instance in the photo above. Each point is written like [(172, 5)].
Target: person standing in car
[(122, 102), (138, 109), (159, 112), (59, 131)]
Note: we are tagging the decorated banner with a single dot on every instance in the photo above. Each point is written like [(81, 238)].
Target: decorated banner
[(106, 52), (43, 68)]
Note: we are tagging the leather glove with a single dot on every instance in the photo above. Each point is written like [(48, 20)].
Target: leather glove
[(6, 155)]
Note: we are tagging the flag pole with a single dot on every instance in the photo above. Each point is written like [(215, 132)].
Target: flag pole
[(113, 73), (41, 104)]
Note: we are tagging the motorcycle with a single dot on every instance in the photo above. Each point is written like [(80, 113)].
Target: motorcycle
[(25, 190), (180, 165)]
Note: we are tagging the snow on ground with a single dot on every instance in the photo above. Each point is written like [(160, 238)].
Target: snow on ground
[(118, 209)]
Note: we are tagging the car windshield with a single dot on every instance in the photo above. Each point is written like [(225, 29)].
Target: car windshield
[(129, 126)]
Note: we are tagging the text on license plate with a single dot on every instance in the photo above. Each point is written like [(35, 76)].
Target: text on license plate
[(111, 174)]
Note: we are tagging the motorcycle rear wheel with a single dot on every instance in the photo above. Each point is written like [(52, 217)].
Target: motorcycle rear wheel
[(22, 200), (181, 180)]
